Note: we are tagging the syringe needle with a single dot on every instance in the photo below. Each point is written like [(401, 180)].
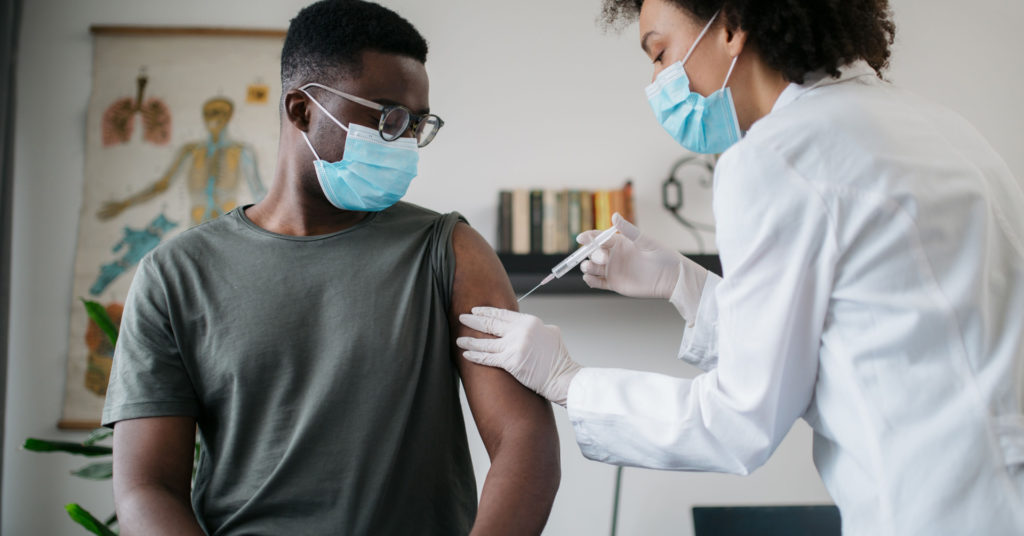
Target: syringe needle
[(521, 298), (541, 284)]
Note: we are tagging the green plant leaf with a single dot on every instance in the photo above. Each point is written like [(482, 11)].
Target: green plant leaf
[(99, 315), (84, 518), (98, 435), (43, 445), (96, 471)]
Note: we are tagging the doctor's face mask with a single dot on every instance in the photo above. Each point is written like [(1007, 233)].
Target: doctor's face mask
[(706, 125), (372, 175)]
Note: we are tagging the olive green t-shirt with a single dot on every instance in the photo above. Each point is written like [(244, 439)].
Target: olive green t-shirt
[(319, 370)]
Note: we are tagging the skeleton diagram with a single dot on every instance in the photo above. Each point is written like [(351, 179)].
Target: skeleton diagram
[(214, 167)]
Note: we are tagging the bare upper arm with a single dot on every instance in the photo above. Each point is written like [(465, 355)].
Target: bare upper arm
[(495, 397), (154, 451)]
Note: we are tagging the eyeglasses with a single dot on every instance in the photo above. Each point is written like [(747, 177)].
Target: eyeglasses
[(395, 119)]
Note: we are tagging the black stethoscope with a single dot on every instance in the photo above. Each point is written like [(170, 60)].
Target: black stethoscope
[(674, 203)]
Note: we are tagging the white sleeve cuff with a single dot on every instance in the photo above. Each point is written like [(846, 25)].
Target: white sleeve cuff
[(700, 338), (686, 295)]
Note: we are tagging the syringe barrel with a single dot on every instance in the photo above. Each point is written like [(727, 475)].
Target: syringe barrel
[(582, 253), (572, 261)]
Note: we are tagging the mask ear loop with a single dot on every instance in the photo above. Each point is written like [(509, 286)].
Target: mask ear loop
[(729, 74), (324, 110), (700, 36), (310, 145)]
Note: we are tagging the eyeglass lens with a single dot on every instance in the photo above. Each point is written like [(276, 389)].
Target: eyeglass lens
[(396, 121), (427, 129)]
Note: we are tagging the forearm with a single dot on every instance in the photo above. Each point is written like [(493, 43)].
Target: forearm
[(521, 483), (154, 510)]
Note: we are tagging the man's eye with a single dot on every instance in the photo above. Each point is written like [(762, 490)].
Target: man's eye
[(658, 59)]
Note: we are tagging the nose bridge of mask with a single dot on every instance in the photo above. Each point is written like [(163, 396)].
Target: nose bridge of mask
[(369, 150), (372, 136)]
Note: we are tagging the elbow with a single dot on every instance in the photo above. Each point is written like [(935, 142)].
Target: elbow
[(750, 459), (752, 452), (530, 449)]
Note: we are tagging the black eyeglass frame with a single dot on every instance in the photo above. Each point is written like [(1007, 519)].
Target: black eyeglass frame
[(414, 119)]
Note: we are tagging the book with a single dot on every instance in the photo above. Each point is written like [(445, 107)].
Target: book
[(536, 221), (521, 221), (546, 221), (627, 193), (562, 221), (574, 209), (602, 210), (586, 211), (550, 222), (504, 221), (615, 204)]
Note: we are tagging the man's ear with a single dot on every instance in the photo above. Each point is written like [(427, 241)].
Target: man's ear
[(296, 109)]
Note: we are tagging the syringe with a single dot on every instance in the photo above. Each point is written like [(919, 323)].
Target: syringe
[(573, 260)]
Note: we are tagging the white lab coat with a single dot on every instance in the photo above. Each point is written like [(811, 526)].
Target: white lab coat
[(873, 250)]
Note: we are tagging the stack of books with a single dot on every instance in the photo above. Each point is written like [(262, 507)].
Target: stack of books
[(535, 221)]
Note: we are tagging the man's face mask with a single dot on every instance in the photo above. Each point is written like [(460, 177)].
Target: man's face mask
[(706, 125), (372, 175)]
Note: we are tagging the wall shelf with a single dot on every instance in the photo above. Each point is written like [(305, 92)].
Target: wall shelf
[(525, 271)]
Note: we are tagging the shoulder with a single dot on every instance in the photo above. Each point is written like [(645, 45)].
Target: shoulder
[(820, 114), (759, 192), (412, 216), (403, 210), (193, 241)]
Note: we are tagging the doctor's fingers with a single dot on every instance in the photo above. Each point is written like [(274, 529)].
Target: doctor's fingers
[(625, 227), (593, 268), (491, 346), (485, 324), (603, 254), (587, 237), (594, 281), (492, 320), (643, 241), (499, 360)]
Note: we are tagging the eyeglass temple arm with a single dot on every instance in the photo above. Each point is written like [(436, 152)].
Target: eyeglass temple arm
[(342, 94)]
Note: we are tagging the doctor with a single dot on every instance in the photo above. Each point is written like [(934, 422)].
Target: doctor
[(873, 251)]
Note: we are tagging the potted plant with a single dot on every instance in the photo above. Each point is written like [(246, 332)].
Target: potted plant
[(98, 470)]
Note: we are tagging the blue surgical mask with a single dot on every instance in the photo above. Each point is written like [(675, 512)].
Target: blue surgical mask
[(372, 175), (706, 125)]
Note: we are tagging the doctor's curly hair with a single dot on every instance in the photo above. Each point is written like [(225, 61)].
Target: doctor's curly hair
[(795, 37)]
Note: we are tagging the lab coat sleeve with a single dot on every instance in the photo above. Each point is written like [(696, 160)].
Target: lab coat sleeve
[(777, 251), (700, 336)]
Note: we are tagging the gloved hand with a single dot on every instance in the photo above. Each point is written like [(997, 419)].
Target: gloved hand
[(633, 264), (529, 350)]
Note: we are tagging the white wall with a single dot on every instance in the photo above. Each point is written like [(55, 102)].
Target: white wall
[(533, 94)]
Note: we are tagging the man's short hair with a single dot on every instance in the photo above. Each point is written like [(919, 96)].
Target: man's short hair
[(326, 39)]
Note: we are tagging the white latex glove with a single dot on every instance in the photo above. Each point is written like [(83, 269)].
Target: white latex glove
[(530, 351), (633, 264)]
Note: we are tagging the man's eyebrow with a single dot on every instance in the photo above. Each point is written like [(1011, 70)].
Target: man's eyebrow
[(387, 102), (643, 41)]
